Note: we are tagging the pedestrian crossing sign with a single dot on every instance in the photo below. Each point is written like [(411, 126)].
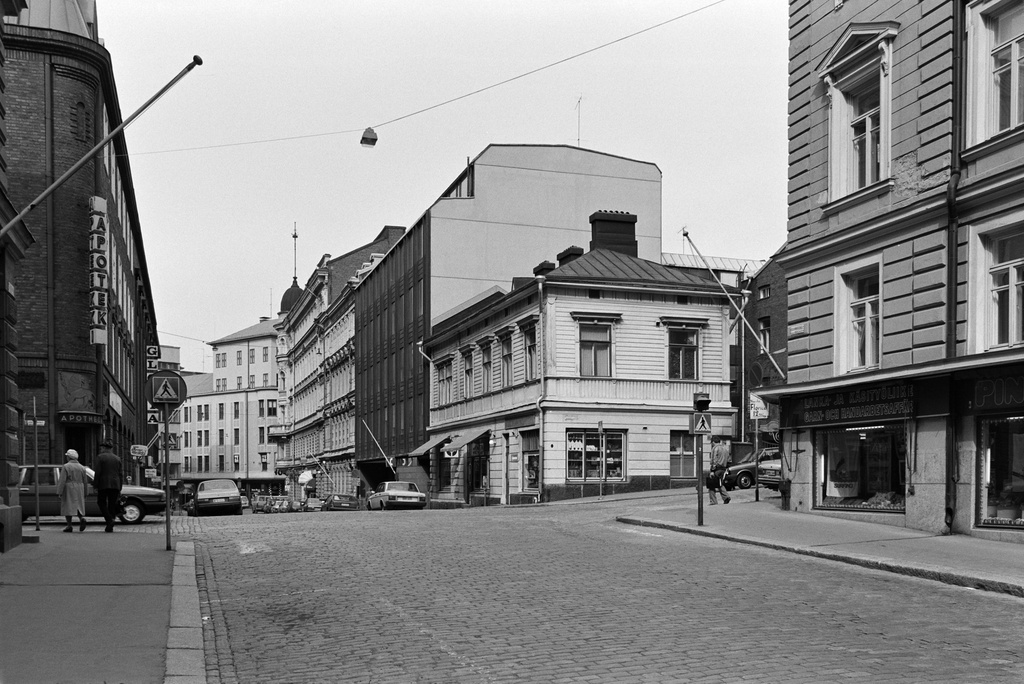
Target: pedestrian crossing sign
[(700, 423), (166, 389)]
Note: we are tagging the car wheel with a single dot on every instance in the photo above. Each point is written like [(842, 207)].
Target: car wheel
[(132, 512), (744, 480)]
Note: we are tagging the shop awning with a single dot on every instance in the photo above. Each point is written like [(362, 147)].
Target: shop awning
[(464, 438), (430, 444)]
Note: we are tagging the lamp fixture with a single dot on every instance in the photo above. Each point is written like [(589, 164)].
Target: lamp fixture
[(369, 138)]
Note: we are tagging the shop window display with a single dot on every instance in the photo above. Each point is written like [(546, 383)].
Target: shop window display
[(862, 468), (595, 455), (1002, 479)]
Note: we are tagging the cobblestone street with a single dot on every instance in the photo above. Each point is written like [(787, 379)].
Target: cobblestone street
[(566, 594)]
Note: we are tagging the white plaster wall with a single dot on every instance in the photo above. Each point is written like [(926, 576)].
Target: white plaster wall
[(926, 507)]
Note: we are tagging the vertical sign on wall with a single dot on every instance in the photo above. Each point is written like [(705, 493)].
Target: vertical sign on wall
[(98, 270)]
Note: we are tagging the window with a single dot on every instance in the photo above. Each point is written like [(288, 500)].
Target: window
[(252, 356), (1001, 487), (188, 440), (271, 407), (861, 467), (235, 409), (262, 435), (238, 358), (595, 350), (444, 383), (237, 464), (467, 374), (858, 327), (266, 353), (199, 438), (485, 367), (260, 410), (857, 74), (995, 68), (188, 464), (682, 462), (506, 361), (239, 379), (444, 473), (864, 319), (266, 379), (188, 414), (220, 437), (220, 463), (236, 436), (530, 445), (530, 348), (764, 334), (764, 292), (1006, 278), (682, 353), (252, 381), (595, 455), (220, 411), (206, 437)]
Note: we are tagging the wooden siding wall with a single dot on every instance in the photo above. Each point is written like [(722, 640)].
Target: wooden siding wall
[(911, 250), (639, 345)]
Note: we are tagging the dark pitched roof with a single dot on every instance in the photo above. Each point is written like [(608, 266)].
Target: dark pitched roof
[(607, 266), (261, 329)]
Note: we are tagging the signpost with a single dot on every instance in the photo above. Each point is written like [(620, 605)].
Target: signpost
[(700, 425), (758, 412), (166, 391)]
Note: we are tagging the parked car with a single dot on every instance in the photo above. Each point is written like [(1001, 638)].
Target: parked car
[(136, 502), (217, 496), (340, 502), (312, 504), (769, 472), (280, 504), (741, 475), (294, 506), (391, 495), (245, 501)]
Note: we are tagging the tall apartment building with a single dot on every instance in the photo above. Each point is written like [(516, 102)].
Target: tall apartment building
[(85, 306), (228, 416), (905, 264), (316, 371), (513, 207)]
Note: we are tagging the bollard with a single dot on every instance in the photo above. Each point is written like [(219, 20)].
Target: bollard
[(784, 490)]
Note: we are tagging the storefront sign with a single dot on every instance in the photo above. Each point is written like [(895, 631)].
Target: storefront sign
[(99, 273), (77, 418), (854, 405), (998, 393)]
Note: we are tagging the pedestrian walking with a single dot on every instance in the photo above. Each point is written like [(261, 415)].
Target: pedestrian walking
[(71, 490), (107, 481), (719, 462)]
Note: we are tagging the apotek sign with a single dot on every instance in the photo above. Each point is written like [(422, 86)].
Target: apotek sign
[(99, 270)]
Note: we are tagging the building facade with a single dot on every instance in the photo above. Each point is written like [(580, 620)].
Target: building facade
[(513, 206), (905, 265), (578, 382), (229, 414), (316, 369), (85, 304)]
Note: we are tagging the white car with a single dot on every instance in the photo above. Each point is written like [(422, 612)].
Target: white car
[(391, 495)]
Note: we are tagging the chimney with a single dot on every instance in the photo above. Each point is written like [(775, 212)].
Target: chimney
[(570, 254), (614, 230), (543, 268)]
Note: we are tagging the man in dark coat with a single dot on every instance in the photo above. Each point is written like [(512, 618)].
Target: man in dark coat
[(107, 481)]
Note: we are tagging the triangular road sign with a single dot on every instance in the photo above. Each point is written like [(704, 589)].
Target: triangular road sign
[(167, 392)]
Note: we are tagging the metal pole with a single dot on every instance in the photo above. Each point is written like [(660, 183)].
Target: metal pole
[(35, 447), (166, 468), (196, 61), (698, 446), (757, 479)]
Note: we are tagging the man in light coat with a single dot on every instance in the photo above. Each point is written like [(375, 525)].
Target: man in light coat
[(71, 489), (107, 481), (719, 462)]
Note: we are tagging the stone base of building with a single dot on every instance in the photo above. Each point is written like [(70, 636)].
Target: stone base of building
[(10, 527), (561, 492)]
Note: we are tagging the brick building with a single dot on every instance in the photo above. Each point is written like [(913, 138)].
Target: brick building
[(85, 304)]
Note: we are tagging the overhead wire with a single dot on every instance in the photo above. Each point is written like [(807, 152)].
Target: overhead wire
[(446, 102)]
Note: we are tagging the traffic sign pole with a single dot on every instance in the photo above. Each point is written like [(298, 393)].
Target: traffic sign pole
[(167, 467)]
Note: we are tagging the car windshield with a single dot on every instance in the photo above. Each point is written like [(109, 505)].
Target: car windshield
[(402, 487)]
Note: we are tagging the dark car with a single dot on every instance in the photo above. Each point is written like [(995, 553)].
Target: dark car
[(217, 496), (312, 503), (341, 502), (136, 502), (741, 475), (390, 495)]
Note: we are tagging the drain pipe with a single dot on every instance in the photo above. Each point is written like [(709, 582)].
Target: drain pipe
[(952, 237), (541, 348)]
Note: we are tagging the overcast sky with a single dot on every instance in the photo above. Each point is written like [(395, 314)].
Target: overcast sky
[(702, 96)]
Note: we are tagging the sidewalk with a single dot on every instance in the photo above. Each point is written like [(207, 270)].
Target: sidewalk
[(954, 559), (95, 607)]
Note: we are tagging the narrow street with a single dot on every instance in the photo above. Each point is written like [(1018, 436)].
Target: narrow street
[(566, 594)]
